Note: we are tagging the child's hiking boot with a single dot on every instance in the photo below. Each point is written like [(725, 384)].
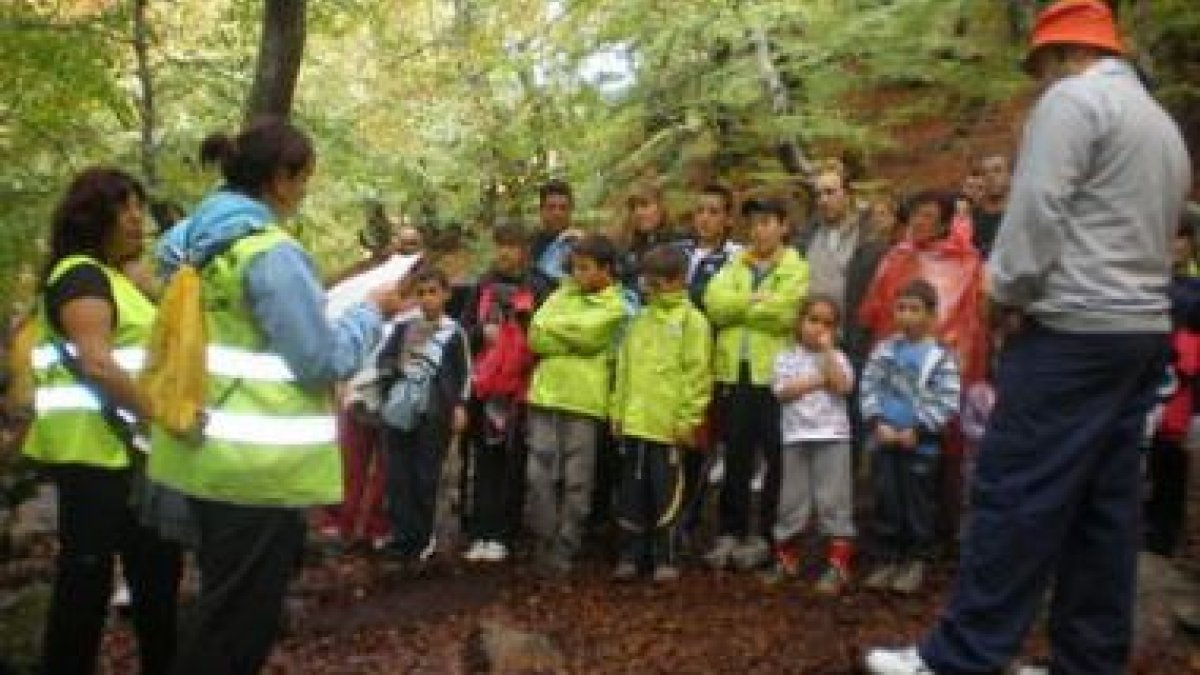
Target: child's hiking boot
[(666, 574), (721, 554), (836, 577), (751, 553), (910, 578), (880, 579), (626, 571)]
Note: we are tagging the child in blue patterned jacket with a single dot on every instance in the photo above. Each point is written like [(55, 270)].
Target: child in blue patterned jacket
[(910, 391)]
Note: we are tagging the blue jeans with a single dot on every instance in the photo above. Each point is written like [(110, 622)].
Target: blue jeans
[(1055, 504)]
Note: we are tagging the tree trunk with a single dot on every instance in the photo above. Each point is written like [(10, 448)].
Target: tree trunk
[(790, 152), (141, 50), (280, 51)]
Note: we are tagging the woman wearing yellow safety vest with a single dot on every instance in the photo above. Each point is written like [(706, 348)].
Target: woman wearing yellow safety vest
[(267, 449), (91, 327)]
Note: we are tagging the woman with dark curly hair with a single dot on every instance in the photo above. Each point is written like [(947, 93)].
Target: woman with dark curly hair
[(92, 327)]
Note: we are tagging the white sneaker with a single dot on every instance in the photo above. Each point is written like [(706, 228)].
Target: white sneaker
[(753, 552), (477, 552), (494, 551), (905, 661), (721, 553)]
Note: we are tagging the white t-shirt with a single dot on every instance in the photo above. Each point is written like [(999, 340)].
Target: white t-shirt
[(818, 415)]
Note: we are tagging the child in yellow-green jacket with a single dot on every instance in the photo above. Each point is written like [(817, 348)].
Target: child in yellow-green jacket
[(574, 336), (662, 389), (752, 302)]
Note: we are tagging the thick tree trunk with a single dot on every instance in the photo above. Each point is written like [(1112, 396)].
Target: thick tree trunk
[(141, 50), (280, 51)]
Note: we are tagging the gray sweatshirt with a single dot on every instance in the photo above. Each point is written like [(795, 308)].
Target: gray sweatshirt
[(1085, 244)]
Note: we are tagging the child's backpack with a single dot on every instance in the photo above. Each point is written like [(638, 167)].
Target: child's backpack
[(408, 398), (502, 369)]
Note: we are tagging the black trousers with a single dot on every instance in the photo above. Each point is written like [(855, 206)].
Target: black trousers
[(649, 501), (247, 555), (906, 486), (498, 475), (414, 469), (95, 522), (1167, 463), (751, 424)]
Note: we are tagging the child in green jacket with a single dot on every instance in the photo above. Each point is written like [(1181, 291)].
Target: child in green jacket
[(662, 389), (752, 302), (574, 334)]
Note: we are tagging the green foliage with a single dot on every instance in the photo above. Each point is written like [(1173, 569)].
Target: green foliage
[(455, 110)]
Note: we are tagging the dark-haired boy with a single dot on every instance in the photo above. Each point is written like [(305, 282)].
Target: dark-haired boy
[(574, 334), (496, 319), (662, 389), (752, 302), (432, 340), (910, 390), (551, 245), (711, 249)]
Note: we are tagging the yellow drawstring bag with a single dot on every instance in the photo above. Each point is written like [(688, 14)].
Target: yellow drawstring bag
[(20, 366), (174, 376)]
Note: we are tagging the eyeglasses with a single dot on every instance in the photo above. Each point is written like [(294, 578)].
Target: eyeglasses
[(828, 192)]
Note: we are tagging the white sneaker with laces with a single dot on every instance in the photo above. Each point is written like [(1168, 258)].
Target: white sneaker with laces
[(904, 661)]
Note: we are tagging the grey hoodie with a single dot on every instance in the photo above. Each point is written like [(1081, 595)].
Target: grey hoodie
[(1085, 244)]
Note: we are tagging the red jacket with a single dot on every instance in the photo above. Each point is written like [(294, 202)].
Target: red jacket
[(1177, 415)]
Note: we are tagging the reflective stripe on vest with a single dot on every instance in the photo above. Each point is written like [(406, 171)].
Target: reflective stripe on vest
[(269, 439), (240, 363), (130, 359), (68, 426), (263, 430)]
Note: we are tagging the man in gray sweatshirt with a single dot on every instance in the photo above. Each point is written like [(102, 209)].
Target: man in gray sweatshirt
[(1080, 270)]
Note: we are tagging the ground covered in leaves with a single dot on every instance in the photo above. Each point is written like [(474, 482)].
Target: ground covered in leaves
[(357, 614)]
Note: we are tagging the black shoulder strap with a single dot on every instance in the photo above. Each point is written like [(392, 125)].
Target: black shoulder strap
[(120, 422)]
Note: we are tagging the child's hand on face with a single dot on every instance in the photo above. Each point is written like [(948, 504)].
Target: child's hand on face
[(825, 340)]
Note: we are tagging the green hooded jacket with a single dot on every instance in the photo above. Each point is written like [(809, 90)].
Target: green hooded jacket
[(664, 377), (574, 335), (754, 329)]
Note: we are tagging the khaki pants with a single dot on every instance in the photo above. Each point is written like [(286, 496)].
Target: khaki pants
[(560, 470)]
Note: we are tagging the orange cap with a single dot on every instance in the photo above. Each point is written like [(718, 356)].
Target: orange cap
[(1077, 22)]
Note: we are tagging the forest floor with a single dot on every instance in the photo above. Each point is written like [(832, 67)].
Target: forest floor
[(356, 613)]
